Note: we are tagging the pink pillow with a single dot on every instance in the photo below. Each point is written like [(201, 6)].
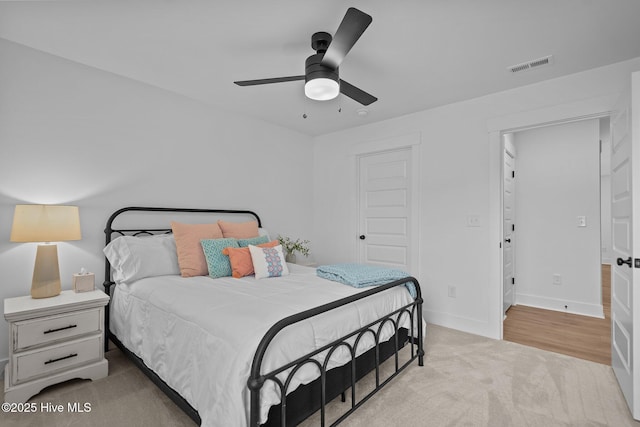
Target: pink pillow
[(190, 255), (239, 230), (240, 259)]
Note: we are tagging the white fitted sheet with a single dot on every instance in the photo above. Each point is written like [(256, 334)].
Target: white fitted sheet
[(200, 334)]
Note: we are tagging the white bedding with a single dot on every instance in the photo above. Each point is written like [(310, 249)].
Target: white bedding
[(200, 334)]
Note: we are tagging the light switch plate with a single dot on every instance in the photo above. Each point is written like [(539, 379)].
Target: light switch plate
[(582, 221), (473, 221)]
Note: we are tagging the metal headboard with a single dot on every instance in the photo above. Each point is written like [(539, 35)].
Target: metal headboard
[(109, 231)]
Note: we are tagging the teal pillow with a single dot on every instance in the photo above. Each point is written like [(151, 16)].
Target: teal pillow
[(217, 262), (255, 241)]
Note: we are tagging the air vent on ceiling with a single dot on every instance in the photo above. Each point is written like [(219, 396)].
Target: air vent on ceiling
[(529, 65)]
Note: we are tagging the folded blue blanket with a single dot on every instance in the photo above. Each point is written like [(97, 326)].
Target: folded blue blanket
[(362, 275)]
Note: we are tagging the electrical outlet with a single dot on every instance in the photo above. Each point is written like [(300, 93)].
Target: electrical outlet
[(557, 279), (452, 291)]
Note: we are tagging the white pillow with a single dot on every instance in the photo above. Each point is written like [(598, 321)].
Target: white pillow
[(263, 232), (268, 262), (133, 258)]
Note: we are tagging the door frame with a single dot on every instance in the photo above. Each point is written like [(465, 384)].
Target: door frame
[(591, 108), (412, 142), (508, 233)]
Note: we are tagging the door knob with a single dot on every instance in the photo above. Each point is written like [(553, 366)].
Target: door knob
[(621, 261), (507, 240), (362, 237)]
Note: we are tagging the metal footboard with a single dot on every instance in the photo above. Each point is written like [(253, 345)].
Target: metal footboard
[(413, 310)]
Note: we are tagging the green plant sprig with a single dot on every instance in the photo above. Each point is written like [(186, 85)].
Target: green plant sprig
[(291, 246)]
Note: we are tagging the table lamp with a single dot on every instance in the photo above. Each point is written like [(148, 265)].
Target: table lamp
[(45, 223)]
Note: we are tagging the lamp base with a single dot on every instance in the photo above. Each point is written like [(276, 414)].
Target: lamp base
[(46, 273)]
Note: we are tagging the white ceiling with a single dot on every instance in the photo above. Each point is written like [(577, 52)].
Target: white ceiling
[(415, 55)]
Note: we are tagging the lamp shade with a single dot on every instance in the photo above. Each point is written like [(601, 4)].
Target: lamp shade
[(45, 223)]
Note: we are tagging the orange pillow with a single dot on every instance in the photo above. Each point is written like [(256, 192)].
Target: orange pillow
[(240, 259), (190, 254), (239, 230)]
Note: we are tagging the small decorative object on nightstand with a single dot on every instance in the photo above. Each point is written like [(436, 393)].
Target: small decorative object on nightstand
[(84, 282), (53, 340)]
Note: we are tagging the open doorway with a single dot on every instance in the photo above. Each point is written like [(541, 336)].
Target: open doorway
[(559, 242)]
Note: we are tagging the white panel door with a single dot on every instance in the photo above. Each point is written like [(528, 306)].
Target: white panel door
[(625, 231), (508, 203), (385, 208)]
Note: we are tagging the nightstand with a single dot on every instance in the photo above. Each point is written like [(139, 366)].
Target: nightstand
[(53, 340)]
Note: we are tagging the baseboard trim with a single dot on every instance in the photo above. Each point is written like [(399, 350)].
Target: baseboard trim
[(573, 307), (460, 323)]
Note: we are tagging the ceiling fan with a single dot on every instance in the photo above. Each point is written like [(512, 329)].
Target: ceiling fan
[(322, 80)]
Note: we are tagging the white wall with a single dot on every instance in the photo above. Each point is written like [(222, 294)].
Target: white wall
[(456, 179), (557, 180), (77, 135), (65, 130)]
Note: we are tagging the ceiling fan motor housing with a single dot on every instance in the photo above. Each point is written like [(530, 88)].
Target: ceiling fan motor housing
[(315, 70), (320, 41)]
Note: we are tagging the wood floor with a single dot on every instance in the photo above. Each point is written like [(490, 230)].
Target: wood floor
[(579, 336)]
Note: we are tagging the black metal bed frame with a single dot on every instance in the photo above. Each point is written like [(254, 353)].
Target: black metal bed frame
[(257, 379)]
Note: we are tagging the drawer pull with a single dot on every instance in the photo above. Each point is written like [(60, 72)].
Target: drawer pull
[(61, 358), (60, 329)]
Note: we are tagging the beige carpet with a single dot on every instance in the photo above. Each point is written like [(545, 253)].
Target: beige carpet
[(466, 381)]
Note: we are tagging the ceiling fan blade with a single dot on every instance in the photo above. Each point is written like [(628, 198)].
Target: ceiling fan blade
[(356, 94), (268, 81), (351, 28)]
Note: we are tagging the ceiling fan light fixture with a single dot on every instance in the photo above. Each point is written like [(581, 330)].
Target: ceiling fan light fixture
[(321, 74), (321, 89)]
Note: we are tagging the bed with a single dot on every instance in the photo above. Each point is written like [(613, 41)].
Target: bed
[(242, 351)]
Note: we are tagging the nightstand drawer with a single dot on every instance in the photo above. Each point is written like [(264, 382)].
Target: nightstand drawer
[(35, 363), (44, 330)]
